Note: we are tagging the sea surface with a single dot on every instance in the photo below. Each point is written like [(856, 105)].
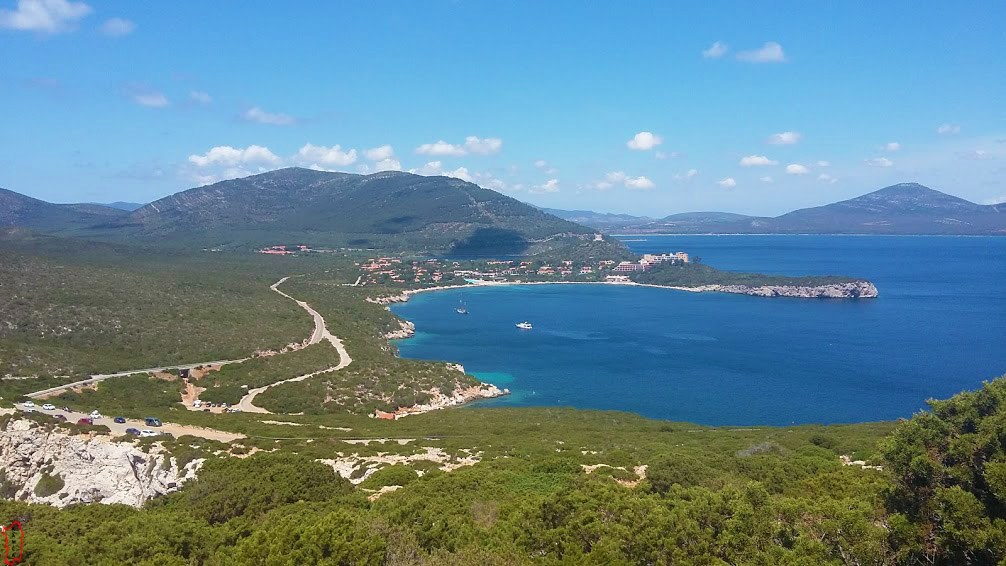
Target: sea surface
[(938, 327)]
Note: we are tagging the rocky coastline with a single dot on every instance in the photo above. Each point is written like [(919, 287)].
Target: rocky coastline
[(851, 290), (440, 400)]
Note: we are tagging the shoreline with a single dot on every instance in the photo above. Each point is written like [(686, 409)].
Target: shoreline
[(761, 290)]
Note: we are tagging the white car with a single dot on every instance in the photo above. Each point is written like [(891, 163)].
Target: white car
[(48, 407), (95, 414), (28, 404), (147, 433)]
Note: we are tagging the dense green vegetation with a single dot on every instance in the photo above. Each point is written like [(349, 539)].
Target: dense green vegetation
[(232, 381), (73, 308), (710, 496), (697, 274)]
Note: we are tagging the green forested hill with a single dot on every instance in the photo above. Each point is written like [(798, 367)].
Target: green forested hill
[(391, 209), (20, 211)]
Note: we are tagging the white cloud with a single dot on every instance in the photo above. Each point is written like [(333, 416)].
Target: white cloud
[(995, 200), (389, 164), (771, 52), (549, 186), (766, 180), (200, 97), (784, 138), (541, 163), (436, 168), (639, 183), (729, 183), (117, 27), (440, 148), (483, 146), (756, 160), (151, 99), (227, 156), (459, 173), (325, 156), (256, 114), (826, 178), (379, 153), (644, 141), (948, 129), (892, 146), (824, 163), (878, 162), (975, 155), (715, 51), (686, 175), (545, 167), (473, 144), (797, 169), (49, 16)]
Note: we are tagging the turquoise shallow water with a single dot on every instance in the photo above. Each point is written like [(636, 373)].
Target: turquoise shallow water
[(938, 327)]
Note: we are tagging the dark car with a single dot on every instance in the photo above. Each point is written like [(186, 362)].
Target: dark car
[(60, 417), (85, 420), (151, 421), (120, 420), (133, 431)]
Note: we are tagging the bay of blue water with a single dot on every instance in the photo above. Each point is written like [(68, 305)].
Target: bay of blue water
[(938, 327)]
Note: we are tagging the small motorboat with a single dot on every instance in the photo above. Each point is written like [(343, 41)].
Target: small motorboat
[(524, 325)]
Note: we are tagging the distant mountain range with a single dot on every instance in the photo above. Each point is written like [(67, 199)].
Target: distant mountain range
[(389, 210), (906, 208)]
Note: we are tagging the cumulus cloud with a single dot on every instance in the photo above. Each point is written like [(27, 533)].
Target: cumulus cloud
[(797, 169), (644, 141), (766, 180), (729, 182), (715, 51), (948, 129), (473, 144), (324, 156), (483, 146), (379, 153), (756, 160), (549, 186), (434, 168), (117, 27), (784, 138), (544, 166), (826, 178), (824, 163), (200, 97), (227, 156), (256, 114), (389, 164), (46, 16), (892, 146), (639, 183), (771, 52), (878, 162), (686, 175)]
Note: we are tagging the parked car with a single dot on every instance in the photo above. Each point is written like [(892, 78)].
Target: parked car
[(60, 417), (146, 433), (48, 407), (67, 409), (95, 414), (120, 420), (86, 421), (133, 431), (28, 404), (151, 421)]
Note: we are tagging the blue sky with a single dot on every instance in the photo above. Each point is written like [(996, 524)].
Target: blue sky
[(645, 108)]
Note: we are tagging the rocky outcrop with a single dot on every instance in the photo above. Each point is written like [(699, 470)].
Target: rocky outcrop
[(90, 468), (406, 329), (440, 400), (851, 290)]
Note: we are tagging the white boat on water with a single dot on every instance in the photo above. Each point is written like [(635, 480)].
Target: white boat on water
[(524, 325)]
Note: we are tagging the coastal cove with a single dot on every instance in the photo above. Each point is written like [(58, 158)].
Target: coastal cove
[(717, 358)]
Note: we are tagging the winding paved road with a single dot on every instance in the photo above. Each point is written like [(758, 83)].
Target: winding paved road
[(320, 333)]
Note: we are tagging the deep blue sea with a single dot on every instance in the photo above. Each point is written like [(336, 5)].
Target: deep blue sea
[(938, 327)]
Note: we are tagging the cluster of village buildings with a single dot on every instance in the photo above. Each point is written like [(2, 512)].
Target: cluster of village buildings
[(385, 270), (284, 250)]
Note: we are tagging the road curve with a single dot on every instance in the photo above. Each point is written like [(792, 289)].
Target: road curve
[(103, 376), (320, 333)]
